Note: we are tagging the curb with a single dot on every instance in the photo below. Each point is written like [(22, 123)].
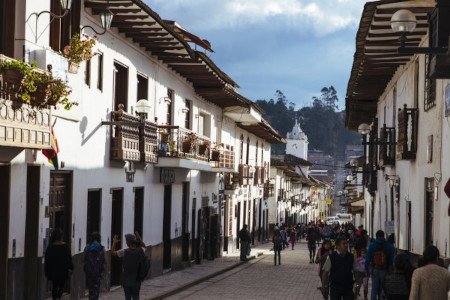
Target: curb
[(204, 278)]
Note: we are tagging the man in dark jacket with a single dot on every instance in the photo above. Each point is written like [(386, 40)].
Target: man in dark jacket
[(245, 239), (380, 257), (338, 273)]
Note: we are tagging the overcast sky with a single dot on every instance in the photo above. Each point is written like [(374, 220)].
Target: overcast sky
[(296, 46)]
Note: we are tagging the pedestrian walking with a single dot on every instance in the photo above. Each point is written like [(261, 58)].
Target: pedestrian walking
[(311, 238), (284, 235), (380, 256), (58, 263), (361, 277), (321, 257), (430, 281), (397, 283), (94, 265), (293, 237), (338, 273), (277, 246), (245, 239), (135, 265)]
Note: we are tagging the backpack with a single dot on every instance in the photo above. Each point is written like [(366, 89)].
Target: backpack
[(380, 257), (94, 261), (144, 267)]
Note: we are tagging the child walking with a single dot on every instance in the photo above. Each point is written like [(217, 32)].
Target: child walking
[(360, 275)]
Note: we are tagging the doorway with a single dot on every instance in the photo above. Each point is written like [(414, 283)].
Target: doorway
[(94, 206), (139, 210), (260, 219), (167, 243), (120, 86), (32, 232), (5, 173), (408, 225), (185, 222), (193, 222), (238, 225), (429, 210), (116, 229)]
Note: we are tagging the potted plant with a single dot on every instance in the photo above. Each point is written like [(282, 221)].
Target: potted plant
[(188, 141), (205, 146), (79, 50), (215, 153), (13, 71)]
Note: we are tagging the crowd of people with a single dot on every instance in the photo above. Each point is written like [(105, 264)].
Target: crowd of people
[(347, 258)]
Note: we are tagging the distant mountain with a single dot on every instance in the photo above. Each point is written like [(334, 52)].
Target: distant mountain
[(321, 121)]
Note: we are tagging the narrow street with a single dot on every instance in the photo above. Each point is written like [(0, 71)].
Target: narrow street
[(295, 278)]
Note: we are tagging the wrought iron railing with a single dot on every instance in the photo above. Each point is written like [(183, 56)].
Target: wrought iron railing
[(175, 141)]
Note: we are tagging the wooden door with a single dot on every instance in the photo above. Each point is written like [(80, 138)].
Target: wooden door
[(94, 207), (185, 222), (193, 223), (116, 229), (139, 210), (238, 225), (167, 254), (32, 233), (429, 210), (5, 173)]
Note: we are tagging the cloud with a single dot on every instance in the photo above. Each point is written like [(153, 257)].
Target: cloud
[(320, 17)]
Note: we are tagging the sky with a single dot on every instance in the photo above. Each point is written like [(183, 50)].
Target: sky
[(295, 46)]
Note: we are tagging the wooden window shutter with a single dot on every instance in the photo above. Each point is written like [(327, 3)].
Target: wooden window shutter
[(55, 26), (8, 19)]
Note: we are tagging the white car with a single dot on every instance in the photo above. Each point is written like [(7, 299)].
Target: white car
[(344, 218), (331, 220)]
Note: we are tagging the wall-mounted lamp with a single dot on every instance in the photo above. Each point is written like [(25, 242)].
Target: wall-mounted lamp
[(65, 6), (404, 21), (166, 99), (184, 110), (142, 108), (364, 129), (129, 171), (393, 180), (106, 17)]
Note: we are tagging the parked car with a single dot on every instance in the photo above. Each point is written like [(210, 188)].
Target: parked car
[(344, 218)]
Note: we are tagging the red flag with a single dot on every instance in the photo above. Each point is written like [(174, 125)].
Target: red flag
[(52, 154)]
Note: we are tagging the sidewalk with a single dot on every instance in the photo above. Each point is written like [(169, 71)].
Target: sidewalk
[(173, 282)]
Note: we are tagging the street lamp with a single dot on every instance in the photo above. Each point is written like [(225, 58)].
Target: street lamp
[(142, 108), (404, 21), (106, 17)]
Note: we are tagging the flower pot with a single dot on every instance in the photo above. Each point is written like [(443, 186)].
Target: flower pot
[(186, 146), (215, 155), (73, 67), (13, 78), (39, 98), (202, 149)]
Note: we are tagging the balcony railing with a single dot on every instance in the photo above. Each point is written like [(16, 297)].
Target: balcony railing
[(226, 159), (148, 142), (133, 139), (175, 141), (269, 189), (22, 126)]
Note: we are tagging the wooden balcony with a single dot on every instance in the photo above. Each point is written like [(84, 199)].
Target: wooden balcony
[(407, 133), (269, 189), (148, 142), (22, 126), (226, 159), (125, 138), (244, 174), (132, 138), (387, 146), (259, 174), (231, 181)]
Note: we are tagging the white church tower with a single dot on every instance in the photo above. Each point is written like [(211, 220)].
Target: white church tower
[(297, 142)]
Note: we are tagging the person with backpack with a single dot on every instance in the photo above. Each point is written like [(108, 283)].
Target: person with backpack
[(135, 265), (397, 284), (338, 273), (277, 246), (380, 256), (94, 265)]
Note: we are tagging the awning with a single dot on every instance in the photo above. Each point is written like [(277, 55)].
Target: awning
[(359, 203)]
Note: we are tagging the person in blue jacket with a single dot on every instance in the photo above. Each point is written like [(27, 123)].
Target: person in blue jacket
[(379, 259)]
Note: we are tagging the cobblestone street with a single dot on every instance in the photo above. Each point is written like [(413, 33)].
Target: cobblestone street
[(295, 278)]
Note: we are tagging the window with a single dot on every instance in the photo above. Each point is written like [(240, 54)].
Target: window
[(241, 154), (171, 96), (100, 71), (87, 73), (430, 87), (7, 17), (256, 153), (139, 210), (416, 84), (61, 30), (204, 124), (248, 151), (120, 86), (188, 114), (142, 87)]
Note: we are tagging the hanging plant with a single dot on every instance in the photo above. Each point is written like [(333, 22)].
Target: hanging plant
[(79, 50)]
